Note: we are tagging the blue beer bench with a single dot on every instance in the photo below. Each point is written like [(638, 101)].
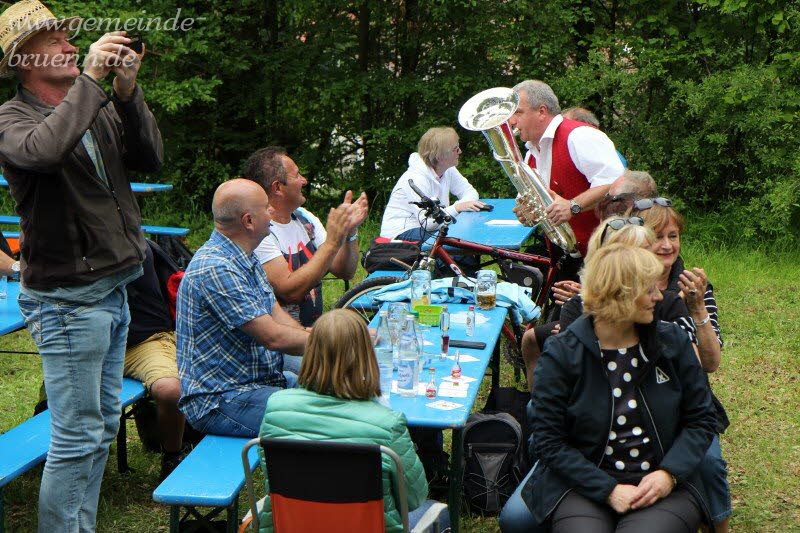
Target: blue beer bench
[(210, 476), (25, 446)]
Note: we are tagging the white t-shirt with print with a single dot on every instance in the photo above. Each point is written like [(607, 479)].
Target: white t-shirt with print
[(288, 239)]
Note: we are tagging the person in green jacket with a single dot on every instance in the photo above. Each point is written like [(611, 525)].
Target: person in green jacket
[(339, 381)]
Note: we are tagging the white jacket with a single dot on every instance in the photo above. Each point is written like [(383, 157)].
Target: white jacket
[(401, 216)]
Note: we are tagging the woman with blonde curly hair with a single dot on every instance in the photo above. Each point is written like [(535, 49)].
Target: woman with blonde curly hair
[(622, 415)]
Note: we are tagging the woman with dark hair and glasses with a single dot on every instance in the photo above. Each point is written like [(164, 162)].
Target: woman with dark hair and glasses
[(659, 215), (625, 230), (621, 412)]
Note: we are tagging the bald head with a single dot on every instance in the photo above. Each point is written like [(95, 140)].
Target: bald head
[(233, 199)]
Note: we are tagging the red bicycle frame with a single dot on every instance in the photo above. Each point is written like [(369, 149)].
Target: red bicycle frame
[(438, 252)]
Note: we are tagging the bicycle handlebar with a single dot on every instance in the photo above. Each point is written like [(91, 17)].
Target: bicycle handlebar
[(432, 208)]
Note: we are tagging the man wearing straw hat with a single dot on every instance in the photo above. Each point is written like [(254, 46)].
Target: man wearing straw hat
[(66, 149)]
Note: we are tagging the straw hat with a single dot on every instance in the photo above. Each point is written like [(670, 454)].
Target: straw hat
[(22, 21)]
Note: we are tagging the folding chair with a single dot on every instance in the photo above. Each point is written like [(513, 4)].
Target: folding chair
[(325, 486)]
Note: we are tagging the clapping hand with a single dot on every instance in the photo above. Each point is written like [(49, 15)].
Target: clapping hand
[(356, 211), (693, 284)]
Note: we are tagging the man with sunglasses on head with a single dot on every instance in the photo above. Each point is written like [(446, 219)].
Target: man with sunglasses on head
[(67, 149), (576, 161), (631, 186)]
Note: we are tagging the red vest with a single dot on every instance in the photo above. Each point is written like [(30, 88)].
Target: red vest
[(568, 182)]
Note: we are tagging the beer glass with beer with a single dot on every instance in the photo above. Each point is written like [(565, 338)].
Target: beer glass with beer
[(486, 290)]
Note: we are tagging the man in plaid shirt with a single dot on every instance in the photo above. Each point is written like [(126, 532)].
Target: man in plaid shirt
[(231, 331)]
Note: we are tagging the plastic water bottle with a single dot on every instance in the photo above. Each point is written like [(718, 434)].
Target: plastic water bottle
[(3, 287), (408, 364), (383, 352), (471, 321)]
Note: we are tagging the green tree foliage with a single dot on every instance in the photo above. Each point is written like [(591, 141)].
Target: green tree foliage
[(701, 93)]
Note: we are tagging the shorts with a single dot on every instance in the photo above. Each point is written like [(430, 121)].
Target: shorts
[(152, 359)]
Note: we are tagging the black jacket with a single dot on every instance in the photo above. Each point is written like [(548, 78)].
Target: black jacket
[(573, 409), (76, 228)]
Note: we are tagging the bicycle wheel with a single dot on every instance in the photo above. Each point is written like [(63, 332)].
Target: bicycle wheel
[(357, 298)]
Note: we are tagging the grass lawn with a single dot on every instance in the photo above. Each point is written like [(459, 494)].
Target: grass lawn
[(759, 301)]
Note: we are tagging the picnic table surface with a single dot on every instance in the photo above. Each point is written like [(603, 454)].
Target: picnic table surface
[(135, 187), (417, 409), (499, 227)]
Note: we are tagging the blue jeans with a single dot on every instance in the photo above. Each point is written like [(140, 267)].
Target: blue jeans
[(82, 349), (241, 416), (291, 363), (714, 473), (515, 516)]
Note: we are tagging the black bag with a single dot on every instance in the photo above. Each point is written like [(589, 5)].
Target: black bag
[(382, 250), (494, 460), (514, 402)]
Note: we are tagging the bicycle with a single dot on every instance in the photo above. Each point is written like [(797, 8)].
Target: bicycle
[(525, 269)]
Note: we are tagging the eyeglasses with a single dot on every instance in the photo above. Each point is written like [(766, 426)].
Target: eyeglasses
[(618, 197), (618, 223), (647, 203)]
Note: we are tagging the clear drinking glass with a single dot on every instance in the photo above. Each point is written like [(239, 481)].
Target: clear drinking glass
[(420, 288), (486, 289)]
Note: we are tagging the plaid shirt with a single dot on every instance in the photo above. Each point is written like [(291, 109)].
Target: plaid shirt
[(221, 290)]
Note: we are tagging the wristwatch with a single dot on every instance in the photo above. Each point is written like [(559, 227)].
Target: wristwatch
[(15, 270), (353, 237), (574, 207)]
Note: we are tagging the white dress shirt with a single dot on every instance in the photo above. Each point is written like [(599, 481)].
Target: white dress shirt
[(592, 152)]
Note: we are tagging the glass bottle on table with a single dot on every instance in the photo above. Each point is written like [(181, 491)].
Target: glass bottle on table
[(408, 362), (397, 320), (444, 325), (471, 321), (455, 371), (384, 354), (430, 388)]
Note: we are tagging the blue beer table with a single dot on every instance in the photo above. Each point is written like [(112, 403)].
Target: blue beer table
[(416, 409), (135, 187), (10, 316), (478, 227)]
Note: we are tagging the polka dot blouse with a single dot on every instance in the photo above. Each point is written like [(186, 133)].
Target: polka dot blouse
[(629, 452)]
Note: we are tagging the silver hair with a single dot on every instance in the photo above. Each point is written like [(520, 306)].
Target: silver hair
[(640, 183), (538, 93)]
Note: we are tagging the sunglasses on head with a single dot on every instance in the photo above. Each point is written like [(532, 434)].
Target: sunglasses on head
[(618, 223), (647, 203)]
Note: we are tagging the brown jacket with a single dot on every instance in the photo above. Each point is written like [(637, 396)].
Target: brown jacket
[(77, 229)]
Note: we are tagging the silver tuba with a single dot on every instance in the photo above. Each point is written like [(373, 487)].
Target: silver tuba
[(488, 112)]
